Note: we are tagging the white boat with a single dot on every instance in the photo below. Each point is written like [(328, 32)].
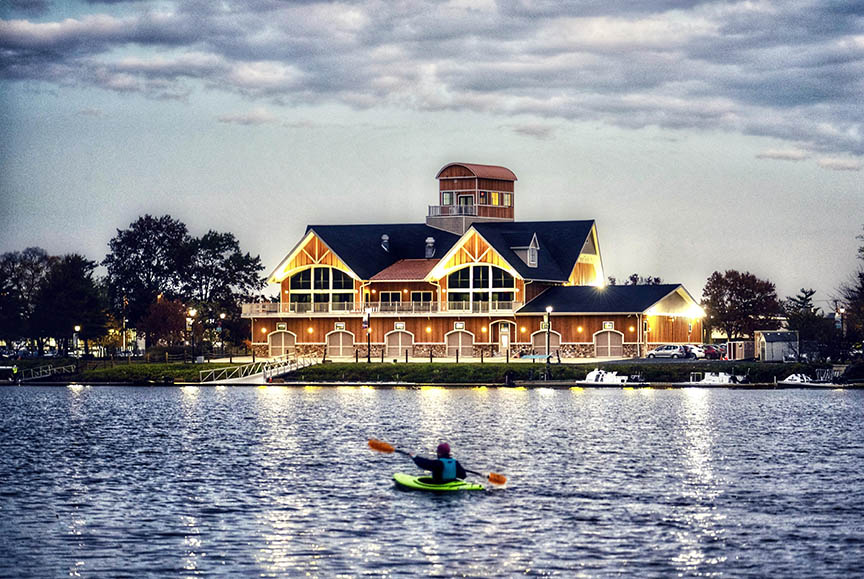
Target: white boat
[(722, 378), (597, 376), (805, 381)]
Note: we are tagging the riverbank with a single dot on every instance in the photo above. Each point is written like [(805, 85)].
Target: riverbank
[(656, 374)]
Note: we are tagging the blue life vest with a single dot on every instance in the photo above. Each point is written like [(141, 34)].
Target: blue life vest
[(448, 473)]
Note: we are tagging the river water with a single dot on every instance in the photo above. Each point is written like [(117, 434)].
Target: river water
[(279, 482)]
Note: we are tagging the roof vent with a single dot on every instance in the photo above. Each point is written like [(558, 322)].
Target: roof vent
[(430, 247), (385, 242)]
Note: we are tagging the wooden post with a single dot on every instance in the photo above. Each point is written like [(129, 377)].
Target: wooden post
[(508, 355), (356, 356), (457, 353), (382, 354), (430, 354), (406, 355), (481, 355)]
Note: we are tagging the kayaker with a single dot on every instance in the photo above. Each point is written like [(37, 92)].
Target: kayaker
[(444, 468)]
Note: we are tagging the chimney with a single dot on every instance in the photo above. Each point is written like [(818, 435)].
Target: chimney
[(430, 247), (385, 243)]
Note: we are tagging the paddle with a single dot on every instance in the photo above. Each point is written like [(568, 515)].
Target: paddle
[(381, 446)]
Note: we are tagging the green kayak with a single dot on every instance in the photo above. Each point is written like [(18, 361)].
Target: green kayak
[(424, 483)]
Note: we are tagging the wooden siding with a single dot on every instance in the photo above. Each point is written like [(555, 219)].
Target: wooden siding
[(534, 289), (583, 274), (475, 250), (455, 171), (467, 185), (669, 330)]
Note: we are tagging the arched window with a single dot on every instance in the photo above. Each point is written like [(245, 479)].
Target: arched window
[(321, 289), (480, 288)]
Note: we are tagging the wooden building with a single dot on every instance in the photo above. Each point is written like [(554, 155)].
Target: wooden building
[(469, 280)]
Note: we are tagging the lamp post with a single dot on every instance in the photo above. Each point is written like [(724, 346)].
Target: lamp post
[(77, 329), (190, 324), (548, 320)]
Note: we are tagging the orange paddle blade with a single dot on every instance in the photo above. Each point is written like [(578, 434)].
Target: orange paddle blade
[(380, 446), (498, 479)]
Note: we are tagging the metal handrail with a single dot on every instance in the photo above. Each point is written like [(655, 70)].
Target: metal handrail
[(45, 371), (418, 308), (268, 369)]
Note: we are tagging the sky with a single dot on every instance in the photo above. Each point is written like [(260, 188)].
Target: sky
[(701, 136)]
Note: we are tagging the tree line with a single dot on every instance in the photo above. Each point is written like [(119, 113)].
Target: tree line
[(166, 284)]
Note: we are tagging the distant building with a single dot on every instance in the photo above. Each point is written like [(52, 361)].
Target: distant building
[(776, 346), (469, 280)]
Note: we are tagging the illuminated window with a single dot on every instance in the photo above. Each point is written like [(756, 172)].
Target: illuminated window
[(495, 198), (447, 198), (508, 199)]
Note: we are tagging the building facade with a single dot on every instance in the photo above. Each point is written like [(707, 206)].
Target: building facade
[(470, 281)]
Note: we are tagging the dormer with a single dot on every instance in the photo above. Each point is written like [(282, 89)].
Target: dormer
[(529, 254), (470, 193)]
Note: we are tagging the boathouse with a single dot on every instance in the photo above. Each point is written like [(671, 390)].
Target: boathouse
[(470, 281)]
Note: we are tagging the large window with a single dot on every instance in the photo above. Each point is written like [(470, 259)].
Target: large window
[(481, 288), (321, 289), (447, 198)]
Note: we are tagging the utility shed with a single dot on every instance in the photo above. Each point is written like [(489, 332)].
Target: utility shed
[(776, 346)]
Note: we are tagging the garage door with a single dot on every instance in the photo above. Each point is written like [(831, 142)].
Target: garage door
[(281, 343), (538, 342), (340, 344), (462, 342), (397, 343), (608, 344)]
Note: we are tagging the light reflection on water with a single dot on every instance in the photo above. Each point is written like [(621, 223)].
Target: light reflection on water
[(278, 481)]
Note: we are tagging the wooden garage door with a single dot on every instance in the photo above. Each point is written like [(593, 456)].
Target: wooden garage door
[(608, 344), (397, 343), (538, 342), (340, 344), (281, 343), (463, 342)]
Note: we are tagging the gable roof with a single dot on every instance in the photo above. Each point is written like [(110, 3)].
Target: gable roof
[(560, 245), (359, 246), (406, 270), (782, 336), (483, 171), (611, 299)]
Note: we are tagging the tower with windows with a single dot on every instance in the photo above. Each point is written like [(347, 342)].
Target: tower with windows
[(470, 193)]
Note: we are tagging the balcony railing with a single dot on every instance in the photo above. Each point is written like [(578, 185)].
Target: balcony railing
[(396, 308), (451, 210)]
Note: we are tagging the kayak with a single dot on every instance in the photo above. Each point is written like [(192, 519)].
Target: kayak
[(424, 483)]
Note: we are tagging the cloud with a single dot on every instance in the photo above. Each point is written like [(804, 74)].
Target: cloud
[(540, 132), (258, 116), (790, 71), (91, 113), (838, 164), (784, 155)]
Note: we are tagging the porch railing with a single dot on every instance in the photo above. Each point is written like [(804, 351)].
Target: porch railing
[(399, 308)]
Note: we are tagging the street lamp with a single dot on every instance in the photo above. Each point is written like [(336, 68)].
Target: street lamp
[(548, 319), (190, 321)]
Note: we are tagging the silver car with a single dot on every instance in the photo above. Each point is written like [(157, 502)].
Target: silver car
[(668, 351)]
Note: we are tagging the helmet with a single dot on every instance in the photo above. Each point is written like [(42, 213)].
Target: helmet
[(443, 449)]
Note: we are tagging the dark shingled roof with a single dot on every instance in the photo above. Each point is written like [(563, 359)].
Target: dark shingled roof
[(560, 245), (359, 246), (612, 299), (788, 336)]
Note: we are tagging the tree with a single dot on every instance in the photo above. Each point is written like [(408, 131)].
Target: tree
[(636, 279), (146, 260), (740, 303), (219, 273), (165, 322), (69, 297), (852, 294), (21, 274)]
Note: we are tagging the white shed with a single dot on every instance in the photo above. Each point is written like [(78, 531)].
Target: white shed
[(776, 346)]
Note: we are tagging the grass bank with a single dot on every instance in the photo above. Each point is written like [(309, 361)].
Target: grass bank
[(495, 373), (147, 373)]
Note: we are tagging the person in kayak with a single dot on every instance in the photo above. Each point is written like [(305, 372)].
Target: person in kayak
[(444, 468)]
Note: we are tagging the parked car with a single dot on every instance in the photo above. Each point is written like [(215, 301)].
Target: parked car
[(668, 351), (712, 352), (694, 351)]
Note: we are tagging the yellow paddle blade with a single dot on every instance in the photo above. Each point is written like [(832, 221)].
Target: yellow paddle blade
[(380, 446), (497, 479)]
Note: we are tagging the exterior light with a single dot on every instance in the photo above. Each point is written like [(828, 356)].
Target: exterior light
[(222, 316), (632, 329), (374, 291), (484, 329), (192, 312), (548, 309), (523, 329), (77, 328), (368, 330), (579, 329), (404, 291), (428, 329), (263, 330), (310, 329)]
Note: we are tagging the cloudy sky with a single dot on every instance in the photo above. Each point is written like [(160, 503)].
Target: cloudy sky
[(700, 136)]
